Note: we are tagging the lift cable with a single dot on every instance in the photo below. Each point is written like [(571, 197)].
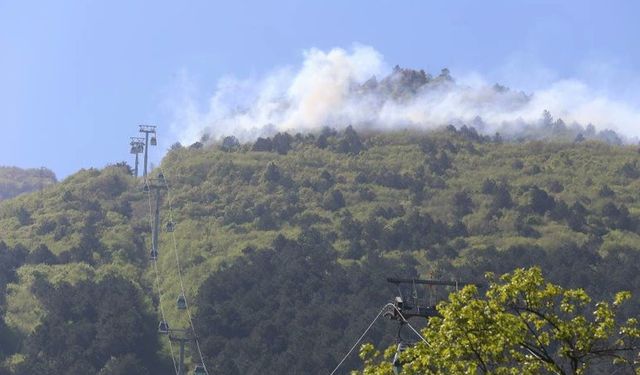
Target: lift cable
[(405, 321), (157, 278), (179, 268), (360, 338)]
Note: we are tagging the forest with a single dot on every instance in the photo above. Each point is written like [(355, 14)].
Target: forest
[(285, 244)]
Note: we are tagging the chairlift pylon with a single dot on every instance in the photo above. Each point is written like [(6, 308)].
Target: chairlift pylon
[(396, 363)]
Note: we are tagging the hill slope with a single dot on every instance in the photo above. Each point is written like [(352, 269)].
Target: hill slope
[(15, 181), (285, 243)]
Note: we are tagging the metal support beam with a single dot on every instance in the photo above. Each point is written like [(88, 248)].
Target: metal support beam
[(181, 337), (137, 147), (147, 129), (156, 221), (394, 280), (157, 185), (136, 168), (181, 362), (146, 153)]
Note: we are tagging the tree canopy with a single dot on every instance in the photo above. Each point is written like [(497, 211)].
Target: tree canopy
[(522, 325)]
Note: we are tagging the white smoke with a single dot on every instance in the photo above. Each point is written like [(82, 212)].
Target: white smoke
[(332, 88)]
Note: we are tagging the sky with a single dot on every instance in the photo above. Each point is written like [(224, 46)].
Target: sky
[(77, 77)]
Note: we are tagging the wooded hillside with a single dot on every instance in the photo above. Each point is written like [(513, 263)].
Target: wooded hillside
[(285, 243), (15, 181)]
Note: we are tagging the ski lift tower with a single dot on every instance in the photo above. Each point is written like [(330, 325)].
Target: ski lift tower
[(137, 146), (148, 129), (181, 336), (157, 185)]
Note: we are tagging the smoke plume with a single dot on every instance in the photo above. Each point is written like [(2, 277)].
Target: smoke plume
[(356, 87)]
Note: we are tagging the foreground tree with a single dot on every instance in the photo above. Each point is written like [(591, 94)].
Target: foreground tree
[(523, 325)]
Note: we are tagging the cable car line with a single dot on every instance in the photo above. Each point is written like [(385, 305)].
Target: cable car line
[(405, 321), (180, 336), (182, 299), (157, 278), (360, 338)]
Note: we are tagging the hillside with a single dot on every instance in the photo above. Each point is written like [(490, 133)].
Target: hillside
[(285, 243), (15, 181)]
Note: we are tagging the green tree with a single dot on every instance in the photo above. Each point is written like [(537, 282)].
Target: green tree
[(523, 325)]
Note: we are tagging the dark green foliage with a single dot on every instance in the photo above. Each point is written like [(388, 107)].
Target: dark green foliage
[(630, 170), (617, 217), (24, 216), (88, 324), (263, 144), (294, 302), (350, 142), (501, 197), (556, 186), (272, 173), (605, 191), (41, 255), (126, 167), (517, 164), (229, 143), (334, 200), (124, 365), (282, 143), (10, 260), (539, 201), (462, 204)]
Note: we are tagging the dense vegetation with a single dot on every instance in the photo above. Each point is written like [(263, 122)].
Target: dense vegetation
[(523, 325), (15, 181), (285, 242)]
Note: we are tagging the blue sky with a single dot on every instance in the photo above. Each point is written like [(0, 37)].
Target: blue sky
[(76, 77)]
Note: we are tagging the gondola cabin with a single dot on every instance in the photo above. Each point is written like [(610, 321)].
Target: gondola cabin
[(181, 302), (163, 327), (171, 226)]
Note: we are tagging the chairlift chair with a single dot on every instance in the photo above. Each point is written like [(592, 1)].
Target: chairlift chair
[(199, 370), (163, 327), (181, 302), (171, 226), (154, 141), (153, 254)]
